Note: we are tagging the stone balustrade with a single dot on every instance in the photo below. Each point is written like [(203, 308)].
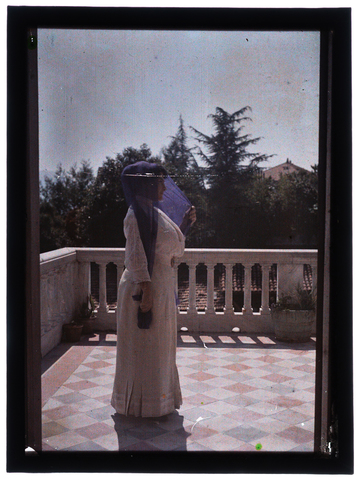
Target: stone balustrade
[(66, 284), (60, 280)]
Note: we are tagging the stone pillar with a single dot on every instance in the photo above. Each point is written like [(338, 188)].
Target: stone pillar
[(210, 288), (314, 277), (192, 288), (265, 310), (247, 289), (102, 288), (229, 308)]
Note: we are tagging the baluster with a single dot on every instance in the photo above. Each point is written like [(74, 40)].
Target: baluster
[(210, 288), (314, 277), (265, 310), (247, 289), (229, 308), (102, 288), (192, 288)]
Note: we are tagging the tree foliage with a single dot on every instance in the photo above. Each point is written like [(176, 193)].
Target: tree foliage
[(107, 207), (236, 206), (62, 203), (294, 209), (182, 166), (230, 171), (226, 149)]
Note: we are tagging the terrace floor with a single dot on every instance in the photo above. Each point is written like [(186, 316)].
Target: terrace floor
[(240, 393)]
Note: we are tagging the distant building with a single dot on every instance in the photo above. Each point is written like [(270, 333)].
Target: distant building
[(283, 169)]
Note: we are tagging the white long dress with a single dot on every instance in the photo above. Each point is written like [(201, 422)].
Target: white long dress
[(146, 379)]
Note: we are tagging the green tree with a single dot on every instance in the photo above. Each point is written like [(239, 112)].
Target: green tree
[(294, 209), (63, 200), (177, 157), (182, 166), (259, 216), (227, 147), (282, 213), (106, 209), (229, 170)]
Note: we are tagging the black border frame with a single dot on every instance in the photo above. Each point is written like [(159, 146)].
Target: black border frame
[(337, 21)]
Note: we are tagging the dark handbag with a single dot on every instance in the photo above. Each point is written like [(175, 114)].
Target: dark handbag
[(144, 318)]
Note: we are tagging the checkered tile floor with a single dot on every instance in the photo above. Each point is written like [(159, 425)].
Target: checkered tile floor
[(240, 393)]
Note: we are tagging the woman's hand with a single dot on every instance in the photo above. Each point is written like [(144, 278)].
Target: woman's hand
[(147, 299), (192, 215), (189, 218)]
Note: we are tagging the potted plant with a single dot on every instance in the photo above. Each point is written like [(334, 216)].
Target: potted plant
[(82, 322), (72, 331), (294, 316), (86, 316)]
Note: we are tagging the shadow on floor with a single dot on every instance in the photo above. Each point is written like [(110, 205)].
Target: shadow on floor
[(150, 434), (224, 340)]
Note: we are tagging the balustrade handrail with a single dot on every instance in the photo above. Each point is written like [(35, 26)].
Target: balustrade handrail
[(297, 254), (251, 255), (94, 254), (54, 259)]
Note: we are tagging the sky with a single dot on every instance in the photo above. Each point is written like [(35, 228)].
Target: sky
[(101, 91)]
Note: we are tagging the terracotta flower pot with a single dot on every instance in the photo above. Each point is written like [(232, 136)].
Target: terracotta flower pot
[(72, 332)]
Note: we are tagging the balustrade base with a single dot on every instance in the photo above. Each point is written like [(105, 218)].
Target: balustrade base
[(202, 322), (105, 321), (229, 311), (265, 311)]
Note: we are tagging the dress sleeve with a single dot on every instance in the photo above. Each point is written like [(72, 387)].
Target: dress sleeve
[(135, 257)]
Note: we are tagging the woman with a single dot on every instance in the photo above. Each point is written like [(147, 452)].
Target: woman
[(146, 379)]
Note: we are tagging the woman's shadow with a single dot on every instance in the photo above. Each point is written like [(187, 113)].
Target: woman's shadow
[(150, 434)]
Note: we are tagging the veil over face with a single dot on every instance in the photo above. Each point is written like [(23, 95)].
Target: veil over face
[(141, 183)]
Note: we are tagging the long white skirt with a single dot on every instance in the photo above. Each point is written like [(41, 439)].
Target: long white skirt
[(146, 379)]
